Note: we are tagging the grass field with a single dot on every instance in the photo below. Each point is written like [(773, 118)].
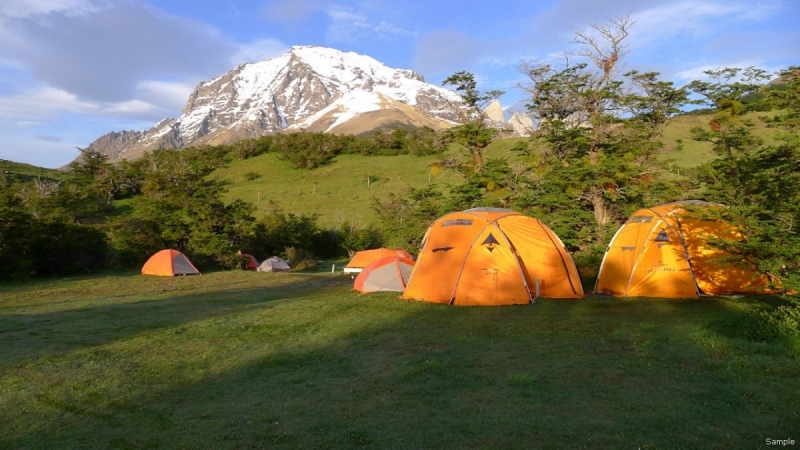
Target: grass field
[(342, 190), (237, 360)]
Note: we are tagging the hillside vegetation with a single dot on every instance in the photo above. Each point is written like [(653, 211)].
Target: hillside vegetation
[(343, 190), (340, 191), (11, 171)]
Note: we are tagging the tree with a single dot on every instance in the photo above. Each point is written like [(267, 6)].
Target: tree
[(597, 140), (759, 184), (474, 134)]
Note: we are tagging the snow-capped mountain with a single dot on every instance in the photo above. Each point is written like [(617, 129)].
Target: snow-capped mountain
[(307, 88)]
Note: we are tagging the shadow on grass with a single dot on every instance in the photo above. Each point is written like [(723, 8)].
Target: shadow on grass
[(31, 336), (37, 281), (553, 375)]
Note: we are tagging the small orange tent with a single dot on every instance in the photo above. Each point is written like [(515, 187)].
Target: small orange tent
[(491, 256), (659, 252), (168, 263), (363, 258), (390, 273)]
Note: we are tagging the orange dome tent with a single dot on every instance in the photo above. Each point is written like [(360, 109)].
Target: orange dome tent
[(363, 258), (168, 263), (390, 273), (491, 256), (660, 253)]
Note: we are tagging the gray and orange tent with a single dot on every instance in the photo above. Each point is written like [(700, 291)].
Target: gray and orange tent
[(663, 252), (168, 263), (274, 264), (363, 258), (390, 273), (491, 256)]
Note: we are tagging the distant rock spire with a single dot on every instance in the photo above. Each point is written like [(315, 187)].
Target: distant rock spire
[(495, 112), (522, 124)]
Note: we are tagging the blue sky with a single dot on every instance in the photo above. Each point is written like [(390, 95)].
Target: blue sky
[(74, 70)]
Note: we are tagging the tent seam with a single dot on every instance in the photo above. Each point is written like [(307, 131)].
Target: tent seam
[(563, 263), (517, 258)]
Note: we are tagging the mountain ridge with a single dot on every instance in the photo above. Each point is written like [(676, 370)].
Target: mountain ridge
[(307, 88)]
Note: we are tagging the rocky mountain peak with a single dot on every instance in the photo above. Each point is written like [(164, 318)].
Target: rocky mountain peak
[(307, 88)]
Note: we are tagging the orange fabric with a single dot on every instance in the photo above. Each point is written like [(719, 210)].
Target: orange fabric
[(363, 258), (160, 264), (658, 253), (486, 256)]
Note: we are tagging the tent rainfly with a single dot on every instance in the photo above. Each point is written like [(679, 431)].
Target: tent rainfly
[(390, 273), (252, 262), (661, 252), (168, 263), (274, 264), (363, 258), (492, 256)]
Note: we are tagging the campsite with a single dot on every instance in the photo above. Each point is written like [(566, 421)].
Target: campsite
[(322, 251)]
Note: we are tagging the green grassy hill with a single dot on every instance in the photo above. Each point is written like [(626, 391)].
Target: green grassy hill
[(683, 152), (11, 170), (339, 191)]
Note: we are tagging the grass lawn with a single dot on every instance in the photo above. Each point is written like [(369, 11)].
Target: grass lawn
[(251, 360)]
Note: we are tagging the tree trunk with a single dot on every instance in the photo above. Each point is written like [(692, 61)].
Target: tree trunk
[(601, 212)]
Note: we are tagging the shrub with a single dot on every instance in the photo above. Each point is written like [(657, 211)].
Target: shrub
[(250, 176), (300, 259), (783, 321)]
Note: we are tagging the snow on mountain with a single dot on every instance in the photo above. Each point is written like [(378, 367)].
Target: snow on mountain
[(313, 88)]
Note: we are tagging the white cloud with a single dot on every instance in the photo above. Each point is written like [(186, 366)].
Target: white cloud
[(350, 26), (25, 8), (258, 51), (48, 138), (42, 104), (169, 96), (697, 18), (102, 55), (131, 108)]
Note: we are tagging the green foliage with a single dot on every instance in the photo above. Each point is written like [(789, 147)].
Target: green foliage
[(307, 150), (761, 186), (31, 246), (278, 230), (404, 219), (250, 176), (354, 239), (473, 133), (782, 322), (300, 259), (594, 157), (310, 150), (728, 87)]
